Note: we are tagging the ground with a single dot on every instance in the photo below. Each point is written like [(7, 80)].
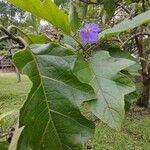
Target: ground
[(135, 133)]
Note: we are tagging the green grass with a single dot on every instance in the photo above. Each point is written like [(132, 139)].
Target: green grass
[(12, 95), (135, 134)]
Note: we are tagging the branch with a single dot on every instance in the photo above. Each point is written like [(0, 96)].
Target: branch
[(82, 47), (14, 47), (133, 36), (3, 38), (143, 5), (14, 27), (12, 37), (125, 9), (4, 135)]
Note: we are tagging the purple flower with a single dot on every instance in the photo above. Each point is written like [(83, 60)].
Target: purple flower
[(89, 33)]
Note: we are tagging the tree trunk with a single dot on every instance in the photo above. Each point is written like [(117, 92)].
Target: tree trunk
[(145, 92), (149, 97), (144, 99), (148, 80)]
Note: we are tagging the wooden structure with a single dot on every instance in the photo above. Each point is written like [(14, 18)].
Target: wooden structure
[(6, 65)]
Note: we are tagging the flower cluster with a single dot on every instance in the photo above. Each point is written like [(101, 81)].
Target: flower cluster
[(89, 33)]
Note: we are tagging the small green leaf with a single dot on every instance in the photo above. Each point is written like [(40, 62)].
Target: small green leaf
[(45, 9), (130, 98), (73, 17), (81, 9), (109, 6), (50, 115), (77, 14), (60, 2), (100, 1), (102, 72), (128, 1), (69, 41), (36, 39)]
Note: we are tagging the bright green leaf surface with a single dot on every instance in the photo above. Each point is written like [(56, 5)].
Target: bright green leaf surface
[(37, 39), (51, 115), (45, 9), (102, 72), (127, 24), (2, 116)]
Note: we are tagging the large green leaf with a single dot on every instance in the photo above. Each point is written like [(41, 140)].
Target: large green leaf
[(102, 72), (45, 9), (127, 24), (50, 115)]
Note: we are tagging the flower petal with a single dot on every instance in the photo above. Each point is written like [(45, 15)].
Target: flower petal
[(91, 35)]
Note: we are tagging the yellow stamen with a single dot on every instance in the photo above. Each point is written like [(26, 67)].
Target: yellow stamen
[(87, 29)]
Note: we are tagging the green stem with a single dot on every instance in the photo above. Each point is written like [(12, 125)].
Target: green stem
[(78, 42)]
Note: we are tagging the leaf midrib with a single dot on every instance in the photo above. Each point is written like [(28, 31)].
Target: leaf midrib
[(100, 88), (46, 101)]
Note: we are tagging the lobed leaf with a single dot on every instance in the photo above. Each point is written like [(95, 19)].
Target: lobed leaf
[(50, 115), (102, 72), (130, 71)]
